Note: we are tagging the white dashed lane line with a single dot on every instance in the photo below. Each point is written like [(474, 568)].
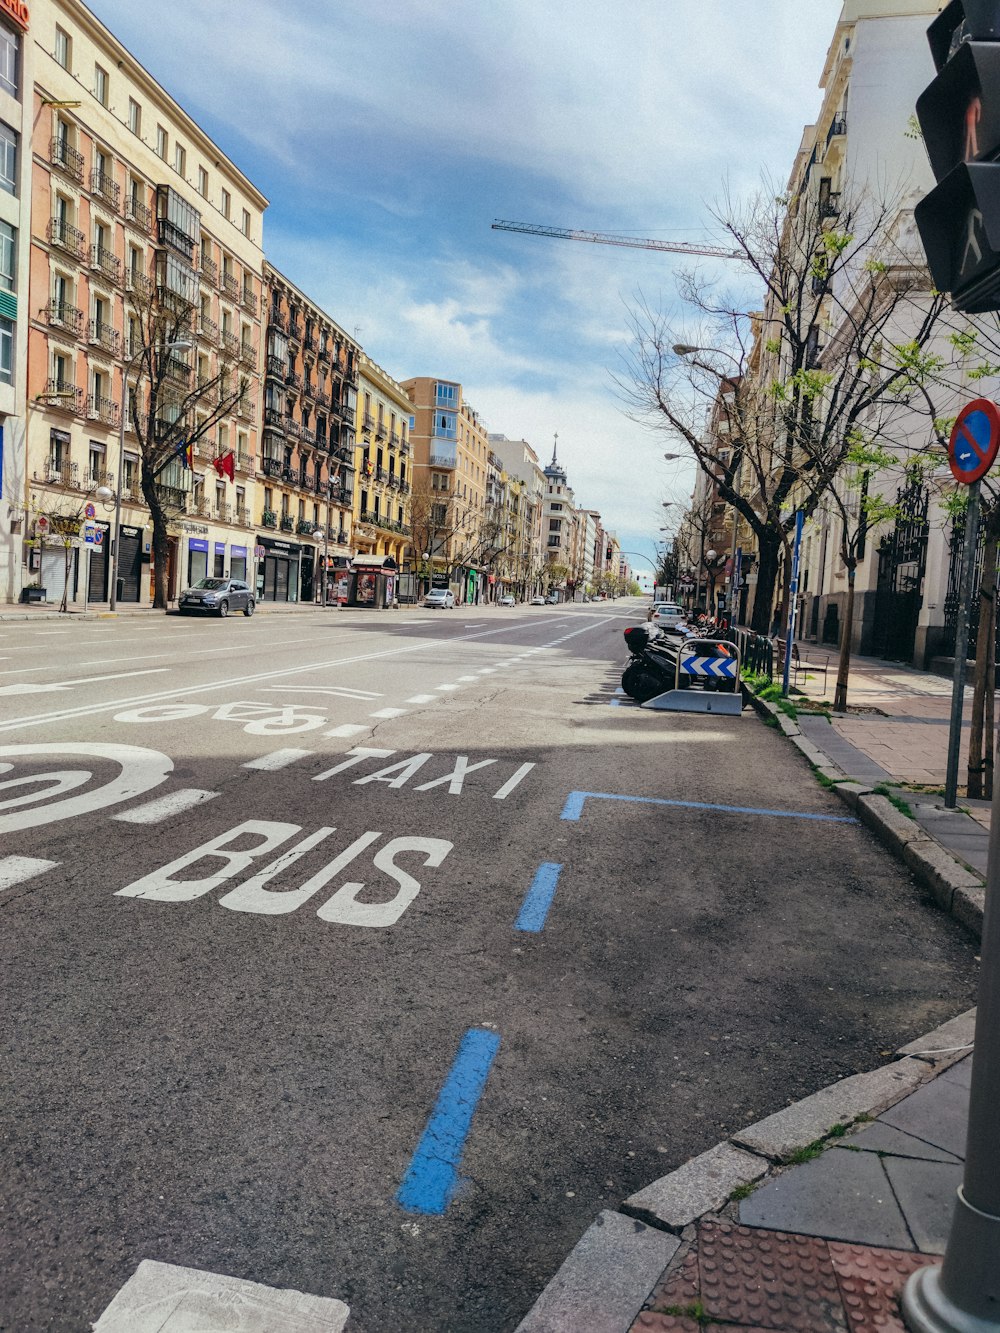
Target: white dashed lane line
[(389, 712), (423, 699), (446, 687), (278, 759), (165, 807), (16, 869), (346, 729)]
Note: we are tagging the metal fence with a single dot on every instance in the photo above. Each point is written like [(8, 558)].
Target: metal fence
[(756, 652)]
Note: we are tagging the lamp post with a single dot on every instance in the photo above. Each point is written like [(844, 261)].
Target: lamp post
[(104, 492), (325, 534)]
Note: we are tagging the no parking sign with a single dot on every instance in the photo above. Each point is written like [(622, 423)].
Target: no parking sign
[(975, 439)]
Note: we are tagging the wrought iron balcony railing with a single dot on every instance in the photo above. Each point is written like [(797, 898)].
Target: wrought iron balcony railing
[(66, 157), (62, 315), (102, 409), (106, 262), (101, 334), (107, 188), (67, 237)]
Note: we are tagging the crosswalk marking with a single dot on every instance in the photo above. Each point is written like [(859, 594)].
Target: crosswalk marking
[(164, 807), (278, 759), (16, 869), (346, 729), (389, 712), (422, 699), (447, 687)]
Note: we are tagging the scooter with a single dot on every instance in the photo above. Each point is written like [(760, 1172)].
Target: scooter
[(653, 668)]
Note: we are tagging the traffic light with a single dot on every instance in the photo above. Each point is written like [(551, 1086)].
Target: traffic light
[(959, 115)]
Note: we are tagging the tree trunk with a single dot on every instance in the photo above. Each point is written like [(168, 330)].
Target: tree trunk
[(67, 562), (161, 544), (768, 547), (846, 633), (980, 771)]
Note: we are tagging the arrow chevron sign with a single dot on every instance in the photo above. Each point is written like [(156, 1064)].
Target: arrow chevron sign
[(718, 668)]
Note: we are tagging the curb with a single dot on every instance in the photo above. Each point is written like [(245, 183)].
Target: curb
[(953, 886), (607, 1276)]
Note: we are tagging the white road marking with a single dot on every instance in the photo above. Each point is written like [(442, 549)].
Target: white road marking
[(423, 699), (466, 678), (27, 688), (16, 869), (487, 671), (141, 770), (171, 1299), (447, 687), (389, 712), (346, 729), (344, 691), (278, 759), (512, 782), (89, 710), (165, 807)]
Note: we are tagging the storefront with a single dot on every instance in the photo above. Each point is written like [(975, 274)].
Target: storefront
[(197, 562), (279, 572), (238, 562)]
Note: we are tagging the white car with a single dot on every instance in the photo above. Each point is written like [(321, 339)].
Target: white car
[(667, 614), (440, 597), (538, 600), (507, 600)]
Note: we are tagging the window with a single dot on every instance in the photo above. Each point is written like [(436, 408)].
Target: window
[(134, 116), (8, 158), (64, 48), (180, 159), (101, 85), (444, 425), (161, 142), (203, 182), (9, 44), (227, 203), (6, 351), (245, 225), (8, 247), (445, 395)]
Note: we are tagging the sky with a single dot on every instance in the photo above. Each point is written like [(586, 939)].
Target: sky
[(388, 137)]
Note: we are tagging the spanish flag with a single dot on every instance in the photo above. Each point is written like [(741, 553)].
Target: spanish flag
[(185, 452)]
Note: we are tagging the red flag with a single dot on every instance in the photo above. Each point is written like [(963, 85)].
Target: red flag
[(225, 465)]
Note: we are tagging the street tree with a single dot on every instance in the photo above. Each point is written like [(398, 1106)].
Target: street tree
[(58, 522), (845, 329), (173, 403)]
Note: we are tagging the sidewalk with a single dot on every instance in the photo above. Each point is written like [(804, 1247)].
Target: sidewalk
[(813, 1219)]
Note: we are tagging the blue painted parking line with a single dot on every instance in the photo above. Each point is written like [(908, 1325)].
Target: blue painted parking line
[(432, 1178), (573, 808), (538, 899)]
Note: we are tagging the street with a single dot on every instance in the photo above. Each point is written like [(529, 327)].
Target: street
[(334, 960)]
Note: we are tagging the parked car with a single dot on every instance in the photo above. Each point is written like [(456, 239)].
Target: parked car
[(553, 599), (219, 596), (443, 598), (507, 600), (667, 614), (538, 600)]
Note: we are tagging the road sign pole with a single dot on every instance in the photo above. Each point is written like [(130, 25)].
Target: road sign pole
[(793, 601), (962, 645)]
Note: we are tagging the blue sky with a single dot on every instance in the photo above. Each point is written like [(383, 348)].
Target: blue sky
[(388, 137)]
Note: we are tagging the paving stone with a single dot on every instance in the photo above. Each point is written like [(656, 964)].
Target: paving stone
[(956, 1031), (960, 1073), (699, 1186), (768, 1280), (679, 1285), (925, 1191), (870, 1282), (650, 1321), (605, 1278), (937, 1113), (781, 1134), (882, 1138), (164, 1298), (842, 1196)]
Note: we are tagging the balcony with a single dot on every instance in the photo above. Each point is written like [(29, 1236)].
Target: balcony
[(287, 523), (829, 205), (224, 512), (170, 234), (102, 409), (277, 319), (243, 516), (62, 315), (209, 268), (304, 528), (208, 329), (275, 416), (248, 355), (174, 367), (381, 474), (230, 343), (293, 379), (442, 457), (308, 387), (368, 425), (139, 213), (380, 431), (289, 476), (57, 474), (296, 329), (230, 286), (244, 461), (67, 159), (104, 335), (249, 302), (268, 519), (246, 409), (838, 128), (271, 467), (65, 236), (107, 263), (292, 427), (324, 399), (63, 395), (106, 188)]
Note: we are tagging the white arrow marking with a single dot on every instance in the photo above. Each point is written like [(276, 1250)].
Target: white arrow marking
[(25, 687)]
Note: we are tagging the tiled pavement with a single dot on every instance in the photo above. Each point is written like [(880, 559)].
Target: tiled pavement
[(829, 1244)]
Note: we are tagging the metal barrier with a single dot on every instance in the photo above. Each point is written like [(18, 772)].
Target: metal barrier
[(756, 652), (714, 665)]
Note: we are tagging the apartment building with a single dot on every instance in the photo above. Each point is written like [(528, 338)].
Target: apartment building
[(15, 241), (382, 502), (306, 472), (520, 462), (561, 531), (450, 447), (132, 203)]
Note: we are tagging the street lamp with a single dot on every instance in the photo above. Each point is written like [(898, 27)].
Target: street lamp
[(325, 534), (104, 492)]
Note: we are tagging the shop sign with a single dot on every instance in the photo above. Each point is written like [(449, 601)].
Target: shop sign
[(16, 10)]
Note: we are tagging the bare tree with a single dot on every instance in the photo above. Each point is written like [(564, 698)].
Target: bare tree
[(170, 405), (847, 321)]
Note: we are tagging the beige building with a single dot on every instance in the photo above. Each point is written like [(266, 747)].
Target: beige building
[(450, 460), (382, 499), (132, 201), (520, 462)]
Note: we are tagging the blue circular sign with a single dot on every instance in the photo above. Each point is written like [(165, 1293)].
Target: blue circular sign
[(975, 439)]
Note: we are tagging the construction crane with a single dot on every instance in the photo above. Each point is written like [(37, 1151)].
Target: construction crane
[(615, 238)]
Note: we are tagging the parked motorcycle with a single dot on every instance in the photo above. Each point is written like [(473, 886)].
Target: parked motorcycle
[(653, 668)]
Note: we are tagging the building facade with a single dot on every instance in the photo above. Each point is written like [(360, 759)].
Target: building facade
[(133, 203), (520, 462), (306, 474), (385, 466)]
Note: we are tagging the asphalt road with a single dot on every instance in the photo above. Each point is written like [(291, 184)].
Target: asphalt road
[(393, 1027)]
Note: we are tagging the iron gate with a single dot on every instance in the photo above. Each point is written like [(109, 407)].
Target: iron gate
[(902, 559), (956, 548)]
